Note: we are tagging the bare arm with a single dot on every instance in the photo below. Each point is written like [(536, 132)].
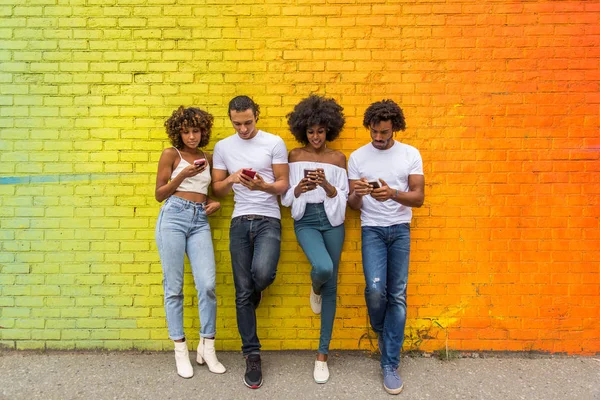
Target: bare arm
[(413, 198), (221, 182), (164, 187), (280, 186), (358, 189)]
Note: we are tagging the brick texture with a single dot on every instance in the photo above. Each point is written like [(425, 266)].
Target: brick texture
[(501, 97)]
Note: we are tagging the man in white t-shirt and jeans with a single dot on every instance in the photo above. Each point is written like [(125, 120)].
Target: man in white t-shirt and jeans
[(255, 165), (386, 181)]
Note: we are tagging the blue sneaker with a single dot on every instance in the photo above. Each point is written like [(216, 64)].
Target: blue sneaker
[(392, 383)]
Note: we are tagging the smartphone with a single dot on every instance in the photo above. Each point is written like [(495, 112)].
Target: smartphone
[(375, 184), (200, 162), (308, 171), (249, 173)]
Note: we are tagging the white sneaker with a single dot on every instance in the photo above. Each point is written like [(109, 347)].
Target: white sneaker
[(315, 301), (321, 372), (182, 360)]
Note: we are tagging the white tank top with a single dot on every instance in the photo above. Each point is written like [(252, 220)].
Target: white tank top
[(195, 184)]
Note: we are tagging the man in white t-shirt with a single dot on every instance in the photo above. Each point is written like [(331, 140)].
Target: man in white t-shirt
[(254, 164), (386, 181)]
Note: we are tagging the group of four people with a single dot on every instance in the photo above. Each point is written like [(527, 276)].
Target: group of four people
[(384, 181)]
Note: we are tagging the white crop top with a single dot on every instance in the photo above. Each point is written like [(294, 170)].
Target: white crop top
[(196, 184)]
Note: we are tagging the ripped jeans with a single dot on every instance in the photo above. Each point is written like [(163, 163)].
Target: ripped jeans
[(385, 253)]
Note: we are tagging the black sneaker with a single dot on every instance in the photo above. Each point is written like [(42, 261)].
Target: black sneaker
[(253, 375), (256, 298)]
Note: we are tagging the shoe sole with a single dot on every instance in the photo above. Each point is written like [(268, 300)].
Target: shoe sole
[(321, 382), (252, 386), (393, 391), (204, 363)]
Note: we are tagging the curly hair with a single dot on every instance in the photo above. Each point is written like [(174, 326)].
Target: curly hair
[(385, 110), (316, 110), (184, 118), (243, 103)]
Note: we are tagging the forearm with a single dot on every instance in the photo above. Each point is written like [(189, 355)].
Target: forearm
[(222, 188), (165, 191), (409, 199), (330, 190), (277, 188), (355, 201)]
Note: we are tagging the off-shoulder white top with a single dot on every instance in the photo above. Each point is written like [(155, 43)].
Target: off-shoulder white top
[(335, 207)]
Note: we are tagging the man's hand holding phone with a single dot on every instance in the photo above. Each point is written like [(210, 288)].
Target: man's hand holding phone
[(251, 179), (382, 192), (362, 187)]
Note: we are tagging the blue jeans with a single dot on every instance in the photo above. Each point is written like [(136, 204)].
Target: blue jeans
[(182, 227), (385, 253), (254, 244), (322, 244)]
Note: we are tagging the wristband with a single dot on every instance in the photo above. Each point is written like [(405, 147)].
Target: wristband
[(396, 194)]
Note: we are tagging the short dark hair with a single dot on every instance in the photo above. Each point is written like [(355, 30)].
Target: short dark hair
[(316, 110), (184, 118), (385, 110), (243, 103)]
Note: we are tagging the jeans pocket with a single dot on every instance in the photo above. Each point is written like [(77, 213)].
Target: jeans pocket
[(235, 222), (173, 207)]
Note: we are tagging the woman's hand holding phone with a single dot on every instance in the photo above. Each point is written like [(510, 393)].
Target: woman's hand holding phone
[(305, 185)]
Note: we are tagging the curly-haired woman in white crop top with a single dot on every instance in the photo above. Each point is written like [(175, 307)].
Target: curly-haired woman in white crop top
[(182, 228)]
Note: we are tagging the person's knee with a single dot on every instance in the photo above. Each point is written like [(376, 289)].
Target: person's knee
[(263, 278), (398, 296), (375, 295), (322, 270), (207, 292)]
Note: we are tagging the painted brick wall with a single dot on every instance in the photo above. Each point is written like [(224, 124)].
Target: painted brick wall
[(501, 97)]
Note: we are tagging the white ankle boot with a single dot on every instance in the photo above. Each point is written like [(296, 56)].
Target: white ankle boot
[(206, 352), (182, 359)]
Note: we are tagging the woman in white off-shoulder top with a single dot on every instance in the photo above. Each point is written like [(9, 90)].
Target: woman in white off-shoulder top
[(318, 194)]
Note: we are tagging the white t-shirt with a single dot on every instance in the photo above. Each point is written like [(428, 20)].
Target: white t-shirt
[(335, 208), (393, 165), (259, 153)]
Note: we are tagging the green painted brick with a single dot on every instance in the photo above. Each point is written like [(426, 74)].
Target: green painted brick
[(6, 323), (16, 290), (60, 302), (90, 323), (119, 301), (14, 269), (46, 290), (7, 344), (105, 334), (15, 334), (121, 324), (60, 323), (45, 334), (28, 323), (45, 313), (31, 345), (75, 313), (132, 334), (74, 291), (118, 344), (135, 312), (29, 301), (74, 334)]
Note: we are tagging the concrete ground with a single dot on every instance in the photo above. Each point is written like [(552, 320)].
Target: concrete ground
[(288, 375)]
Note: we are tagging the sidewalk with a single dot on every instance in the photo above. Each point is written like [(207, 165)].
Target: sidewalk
[(288, 375)]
